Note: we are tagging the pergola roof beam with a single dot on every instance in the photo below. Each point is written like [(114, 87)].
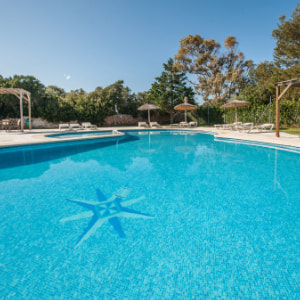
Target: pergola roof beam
[(294, 82), (284, 91)]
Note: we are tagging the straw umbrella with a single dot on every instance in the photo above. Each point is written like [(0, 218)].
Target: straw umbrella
[(148, 106), (186, 107), (235, 104)]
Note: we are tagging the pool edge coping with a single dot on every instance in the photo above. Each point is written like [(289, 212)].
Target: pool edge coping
[(58, 141), (45, 139)]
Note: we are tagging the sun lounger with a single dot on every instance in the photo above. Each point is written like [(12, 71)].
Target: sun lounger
[(75, 126), (219, 126), (233, 126), (265, 126), (227, 126), (62, 126), (245, 127), (142, 124), (184, 124), (154, 124), (88, 125), (193, 124)]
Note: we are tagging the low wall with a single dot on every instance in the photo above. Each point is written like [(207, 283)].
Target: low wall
[(40, 123), (115, 120), (119, 120)]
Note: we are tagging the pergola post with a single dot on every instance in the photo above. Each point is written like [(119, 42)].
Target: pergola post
[(287, 84), (29, 111), (236, 115), (149, 116), (21, 111), (277, 110)]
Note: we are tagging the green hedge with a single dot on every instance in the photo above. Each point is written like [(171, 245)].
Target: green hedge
[(256, 113)]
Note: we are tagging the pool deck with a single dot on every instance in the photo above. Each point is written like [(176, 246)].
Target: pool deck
[(36, 136)]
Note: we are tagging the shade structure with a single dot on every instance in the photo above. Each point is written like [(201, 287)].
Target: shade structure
[(21, 94), (235, 104), (148, 106), (185, 106), (287, 84)]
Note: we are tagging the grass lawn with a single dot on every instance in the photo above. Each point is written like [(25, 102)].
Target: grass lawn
[(295, 131)]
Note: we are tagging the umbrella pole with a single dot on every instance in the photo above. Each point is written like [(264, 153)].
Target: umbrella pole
[(149, 116), (185, 116), (236, 118)]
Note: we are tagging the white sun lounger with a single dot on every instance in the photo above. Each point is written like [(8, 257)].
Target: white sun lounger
[(88, 125), (62, 126), (75, 126), (142, 124), (184, 124), (233, 126), (219, 126), (245, 127), (154, 124), (265, 126), (193, 124)]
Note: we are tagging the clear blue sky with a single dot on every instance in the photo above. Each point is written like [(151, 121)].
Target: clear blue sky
[(88, 43)]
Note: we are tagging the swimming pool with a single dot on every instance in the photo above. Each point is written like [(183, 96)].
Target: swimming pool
[(153, 214)]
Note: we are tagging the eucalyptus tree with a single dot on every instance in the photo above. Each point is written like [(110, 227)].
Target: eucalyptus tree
[(287, 51), (286, 63), (219, 75), (287, 36), (170, 88), (262, 82)]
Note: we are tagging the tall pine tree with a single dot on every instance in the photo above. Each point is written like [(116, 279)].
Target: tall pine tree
[(170, 88)]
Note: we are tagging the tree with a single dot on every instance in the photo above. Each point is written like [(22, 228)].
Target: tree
[(29, 83), (262, 83), (101, 103), (9, 106), (170, 89), (115, 95), (219, 76), (287, 50), (287, 36), (55, 91)]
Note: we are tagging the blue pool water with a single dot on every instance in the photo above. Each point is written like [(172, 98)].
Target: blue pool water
[(151, 215)]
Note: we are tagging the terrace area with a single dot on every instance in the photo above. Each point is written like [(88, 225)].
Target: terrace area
[(17, 138)]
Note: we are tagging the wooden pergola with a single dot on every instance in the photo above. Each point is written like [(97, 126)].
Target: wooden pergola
[(21, 94), (287, 84)]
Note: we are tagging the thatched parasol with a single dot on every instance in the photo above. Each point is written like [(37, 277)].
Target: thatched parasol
[(185, 106), (148, 106), (235, 104)]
